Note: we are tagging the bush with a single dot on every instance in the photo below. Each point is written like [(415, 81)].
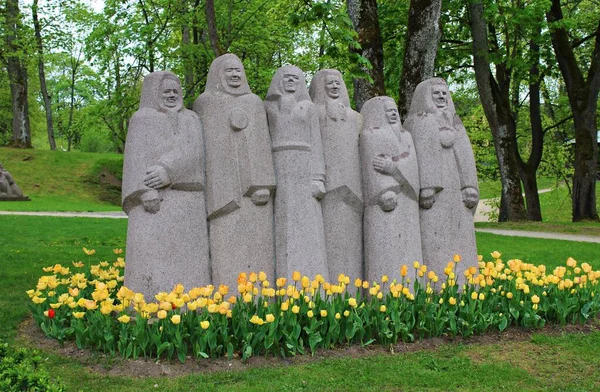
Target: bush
[(19, 371)]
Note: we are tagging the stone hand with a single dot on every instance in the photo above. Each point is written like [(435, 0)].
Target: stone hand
[(157, 177), (388, 201), (151, 201), (470, 197), (383, 164), (426, 198), (260, 197), (318, 189)]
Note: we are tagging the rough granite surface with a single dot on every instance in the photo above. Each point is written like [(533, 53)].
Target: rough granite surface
[(391, 184), (448, 179), (300, 170), (342, 204), (240, 176), (163, 182)]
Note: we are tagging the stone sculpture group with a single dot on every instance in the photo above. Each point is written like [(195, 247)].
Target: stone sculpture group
[(300, 182)]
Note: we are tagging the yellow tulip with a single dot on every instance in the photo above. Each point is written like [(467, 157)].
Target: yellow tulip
[(78, 315), (310, 314), (270, 318), (262, 276), (88, 252), (296, 276), (285, 306), (382, 308), (352, 302), (123, 319), (323, 313), (161, 314), (176, 319), (452, 301), (481, 296), (346, 313), (204, 324), (295, 309)]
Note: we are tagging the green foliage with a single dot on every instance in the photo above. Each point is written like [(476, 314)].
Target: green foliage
[(20, 371)]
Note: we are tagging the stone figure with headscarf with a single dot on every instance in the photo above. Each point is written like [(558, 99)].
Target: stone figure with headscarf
[(163, 184), (343, 203), (448, 178), (390, 185), (300, 169), (240, 178)]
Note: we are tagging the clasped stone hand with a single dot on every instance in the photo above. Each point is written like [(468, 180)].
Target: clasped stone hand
[(260, 197), (157, 177)]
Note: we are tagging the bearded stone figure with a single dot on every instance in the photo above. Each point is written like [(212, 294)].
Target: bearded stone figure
[(240, 177), (391, 186), (343, 201), (163, 183), (448, 179), (300, 169)]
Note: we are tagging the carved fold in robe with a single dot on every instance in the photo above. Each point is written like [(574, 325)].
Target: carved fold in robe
[(170, 246), (392, 238), (446, 165), (342, 204), (238, 163)]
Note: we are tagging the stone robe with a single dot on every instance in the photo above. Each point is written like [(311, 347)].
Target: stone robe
[(392, 238), (446, 165), (298, 156), (342, 204), (170, 246), (238, 163)]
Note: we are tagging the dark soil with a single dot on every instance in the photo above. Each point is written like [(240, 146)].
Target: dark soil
[(31, 336)]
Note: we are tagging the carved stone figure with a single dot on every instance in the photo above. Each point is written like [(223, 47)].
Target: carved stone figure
[(342, 204), (9, 190), (391, 185), (240, 178), (163, 184), (300, 170), (449, 192)]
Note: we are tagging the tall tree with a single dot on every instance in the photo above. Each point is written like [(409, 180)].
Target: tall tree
[(365, 20), (495, 99), (17, 74), (44, 89), (422, 40), (583, 97)]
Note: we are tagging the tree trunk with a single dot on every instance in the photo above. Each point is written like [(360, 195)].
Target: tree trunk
[(43, 88), (211, 22), (17, 74), (528, 170), (583, 98), (496, 105), (365, 20), (422, 40)]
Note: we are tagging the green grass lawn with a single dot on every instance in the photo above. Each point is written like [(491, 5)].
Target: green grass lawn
[(541, 363), (61, 181)]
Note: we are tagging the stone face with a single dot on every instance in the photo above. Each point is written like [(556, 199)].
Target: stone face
[(163, 184), (300, 170), (342, 203), (240, 178), (390, 185), (9, 190), (448, 179)]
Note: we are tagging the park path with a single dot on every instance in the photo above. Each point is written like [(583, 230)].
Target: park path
[(488, 207), (514, 233)]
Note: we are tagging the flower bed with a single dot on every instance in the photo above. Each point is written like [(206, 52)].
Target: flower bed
[(91, 306)]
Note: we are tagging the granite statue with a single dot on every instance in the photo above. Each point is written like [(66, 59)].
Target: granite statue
[(240, 177), (300, 170), (163, 192), (391, 188), (342, 203), (9, 190), (449, 192)]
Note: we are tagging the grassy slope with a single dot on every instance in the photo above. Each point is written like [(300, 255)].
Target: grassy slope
[(35, 242), (57, 180)]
